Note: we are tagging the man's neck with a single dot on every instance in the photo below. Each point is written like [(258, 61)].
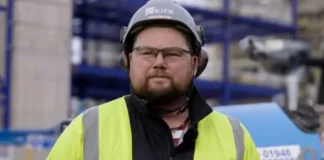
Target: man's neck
[(175, 119)]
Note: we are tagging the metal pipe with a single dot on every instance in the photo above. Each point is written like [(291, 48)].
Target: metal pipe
[(8, 58), (294, 14), (3, 8), (84, 33), (226, 60)]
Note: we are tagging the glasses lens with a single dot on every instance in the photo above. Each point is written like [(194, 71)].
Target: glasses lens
[(145, 50), (174, 52), (166, 52)]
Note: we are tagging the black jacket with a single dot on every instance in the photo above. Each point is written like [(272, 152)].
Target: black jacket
[(151, 136)]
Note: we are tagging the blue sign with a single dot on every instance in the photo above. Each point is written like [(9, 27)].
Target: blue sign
[(274, 133)]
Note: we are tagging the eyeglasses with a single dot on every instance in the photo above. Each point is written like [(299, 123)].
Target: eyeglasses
[(169, 54)]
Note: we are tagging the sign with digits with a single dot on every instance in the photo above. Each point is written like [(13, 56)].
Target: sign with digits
[(287, 152), (279, 152)]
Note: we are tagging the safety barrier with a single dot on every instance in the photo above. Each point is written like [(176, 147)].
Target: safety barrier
[(26, 145), (35, 144)]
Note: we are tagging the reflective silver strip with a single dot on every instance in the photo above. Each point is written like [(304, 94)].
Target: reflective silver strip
[(238, 138), (90, 122)]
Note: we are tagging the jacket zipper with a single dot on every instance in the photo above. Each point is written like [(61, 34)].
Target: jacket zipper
[(170, 139), (169, 152)]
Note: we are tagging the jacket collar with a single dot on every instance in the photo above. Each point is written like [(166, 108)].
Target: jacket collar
[(198, 108)]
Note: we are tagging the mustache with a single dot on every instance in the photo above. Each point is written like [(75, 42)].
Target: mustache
[(159, 75)]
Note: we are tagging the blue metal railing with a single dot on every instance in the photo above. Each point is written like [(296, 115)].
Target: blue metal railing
[(3, 8), (8, 59)]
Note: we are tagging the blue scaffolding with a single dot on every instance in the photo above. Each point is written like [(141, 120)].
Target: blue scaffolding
[(6, 80), (102, 20)]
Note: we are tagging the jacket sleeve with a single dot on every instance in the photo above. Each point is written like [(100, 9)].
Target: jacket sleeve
[(251, 152), (69, 144)]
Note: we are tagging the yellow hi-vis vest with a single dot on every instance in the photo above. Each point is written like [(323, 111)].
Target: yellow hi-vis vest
[(104, 133)]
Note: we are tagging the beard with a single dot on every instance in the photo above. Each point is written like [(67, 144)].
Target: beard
[(161, 94)]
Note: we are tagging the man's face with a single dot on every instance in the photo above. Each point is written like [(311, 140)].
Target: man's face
[(160, 65)]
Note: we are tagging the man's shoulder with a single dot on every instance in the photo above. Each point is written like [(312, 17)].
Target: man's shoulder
[(120, 100), (105, 108), (218, 117), (107, 105), (116, 104)]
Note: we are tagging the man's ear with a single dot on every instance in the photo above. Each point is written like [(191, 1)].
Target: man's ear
[(124, 60), (129, 56), (195, 64)]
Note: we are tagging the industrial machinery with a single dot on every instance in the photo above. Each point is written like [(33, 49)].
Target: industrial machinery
[(289, 58), (283, 130)]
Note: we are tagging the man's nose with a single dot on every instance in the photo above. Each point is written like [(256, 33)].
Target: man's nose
[(159, 61)]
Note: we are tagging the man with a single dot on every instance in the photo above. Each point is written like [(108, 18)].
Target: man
[(165, 117)]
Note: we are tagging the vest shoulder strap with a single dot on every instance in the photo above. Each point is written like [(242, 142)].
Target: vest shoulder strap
[(222, 133), (238, 133), (90, 120)]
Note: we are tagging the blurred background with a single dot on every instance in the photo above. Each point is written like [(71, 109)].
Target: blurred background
[(59, 57)]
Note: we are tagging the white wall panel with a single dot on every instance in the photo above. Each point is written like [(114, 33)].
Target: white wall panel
[(44, 14), (2, 43), (40, 89), (3, 2), (51, 2), (33, 37)]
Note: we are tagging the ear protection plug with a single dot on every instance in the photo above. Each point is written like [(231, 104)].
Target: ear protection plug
[(123, 61), (202, 62)]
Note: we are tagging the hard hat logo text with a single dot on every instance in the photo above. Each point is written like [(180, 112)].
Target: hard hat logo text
[(153, 10)]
